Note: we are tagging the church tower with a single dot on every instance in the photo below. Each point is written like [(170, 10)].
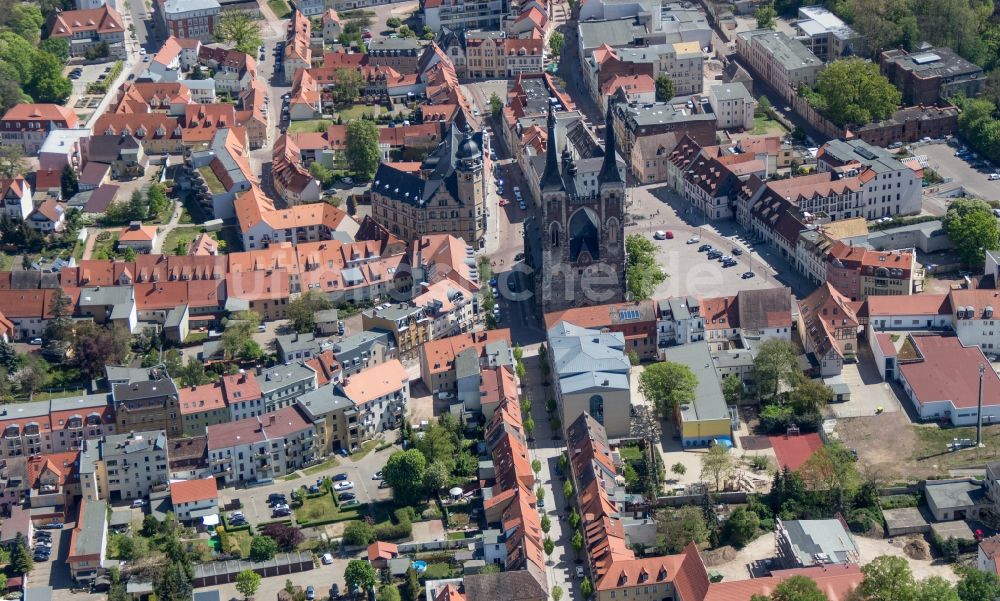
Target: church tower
[(583, 245)]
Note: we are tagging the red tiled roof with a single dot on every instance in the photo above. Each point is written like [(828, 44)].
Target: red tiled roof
[(196, 399), (947, 355), (190, 491), (836, 582), (99, 20), (41, 112), (914, 304), (382, 550), (283, 422)]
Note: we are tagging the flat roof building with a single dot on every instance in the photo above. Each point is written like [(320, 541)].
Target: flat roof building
[(706, 418)]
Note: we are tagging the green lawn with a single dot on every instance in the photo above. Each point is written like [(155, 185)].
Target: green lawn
[(237, 540), (764, 125), (319, 467), (292, 476), (439, 571), (359, 110), (194, 337), (309, 125), (184, 235), (366, 447), (630, 453), (280, 8), (57, 394), (322, 509), (932, 446)]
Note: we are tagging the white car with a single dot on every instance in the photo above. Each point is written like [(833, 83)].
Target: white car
[(142, 51), (579, 571), (138, 502), (327, 559), (993, 176), (343, 485), (693, 240), (444, 395)]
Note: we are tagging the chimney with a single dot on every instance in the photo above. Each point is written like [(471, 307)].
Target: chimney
[(273, 419)]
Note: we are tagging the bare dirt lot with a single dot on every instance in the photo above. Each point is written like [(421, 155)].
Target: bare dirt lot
[(897, 450)]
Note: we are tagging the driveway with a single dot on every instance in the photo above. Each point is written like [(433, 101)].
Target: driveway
[(55, 571), (941, 158), (868, 391)]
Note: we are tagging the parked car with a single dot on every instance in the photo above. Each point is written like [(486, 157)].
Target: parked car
[(704, 247), (344, 452), (35, 341), (281, 513), (993, 176), (327, 559), (729, 263), (519, 257), (579, 571), (747, 275), (310, 593), (444, 395), (737, 251), (346, 485), (334, 590), (693, 240), (339, 477), (53, 526), (346, 496), (138, 502)]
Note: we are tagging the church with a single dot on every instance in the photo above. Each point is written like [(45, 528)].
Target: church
[(576, 243)]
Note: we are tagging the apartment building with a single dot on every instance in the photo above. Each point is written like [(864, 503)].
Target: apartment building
[(408, 325), (889, 187), (148, 404), (298, 45), (437, 357), (86, 30), (783, 62), (825, 34), (261, 448), (828, 327), (54, 426), (635, 320), (27, 125), (859, 272), (282, 384), (88, 542), (194, 499), (492, 55), (132, 465), (202, 406), (683, 62), (641, 133), (733, 106), (380, 395), (190, 18), (243, 396), (932, 75), (973, 317), (462, 14), (336, 420), (679, 321)]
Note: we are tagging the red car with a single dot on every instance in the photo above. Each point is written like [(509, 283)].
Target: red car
[(670, 235)]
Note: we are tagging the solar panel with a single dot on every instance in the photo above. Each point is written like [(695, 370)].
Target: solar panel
[(628, 314)]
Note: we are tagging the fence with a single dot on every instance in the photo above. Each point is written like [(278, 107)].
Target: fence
[(440, 545)]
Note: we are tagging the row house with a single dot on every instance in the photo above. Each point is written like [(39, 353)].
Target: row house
[(202, 406), (221, 172), (492, 55), (261, 448), (55, 426), (682, 62), (859, 272), (828, 326), (292, 179), (889, 186), (380, 395), (150, 404), (157, 132), (27, 125), (438, 367), (665, 124), (712, 181), (298, 45), (86, 30)]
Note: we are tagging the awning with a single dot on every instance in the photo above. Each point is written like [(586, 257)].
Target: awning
[(724, 442), (210, 520)]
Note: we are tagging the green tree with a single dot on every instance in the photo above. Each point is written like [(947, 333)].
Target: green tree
[(546, 523), (19, 54), (642, 272), (798, 588), (358, 533), (496, 106), (675, 528), (389, 592), (12, 163), (574, 519), (809, 396), (732, 388), (21, 562), (393, 22), (57, 47), (885, 24), (241, 29), (765, 15), (529, 425), (157, 199), (568, 490), (557, 592), (679, 468), (192, 374), (362, 148), (776, 363), (247, 583), (556, 43), (350, 82), (668, 385), (664, 87), (263, 548), (976, 585), (406, 32), (718, 463), (150, 526), (325, 176), (302, 311), (548, 546), (586, 588), (26, 20), (957, 24), (937, 588), (970, 224), (741, 526), (577, 541), (47, 82), (69, 183), (888, 578), (404, 472), (237, 338), (10, 94), (436, 477), (412, 590), (359, 575), (174, 583), (852, 91)]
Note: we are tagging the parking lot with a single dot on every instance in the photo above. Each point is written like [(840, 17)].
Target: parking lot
[(689, 271), (868, 391), (55, 571), (254, 499), (941, 158)]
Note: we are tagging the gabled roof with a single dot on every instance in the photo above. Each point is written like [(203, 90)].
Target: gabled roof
[(98, 20), (192, 491), (823, 312)]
